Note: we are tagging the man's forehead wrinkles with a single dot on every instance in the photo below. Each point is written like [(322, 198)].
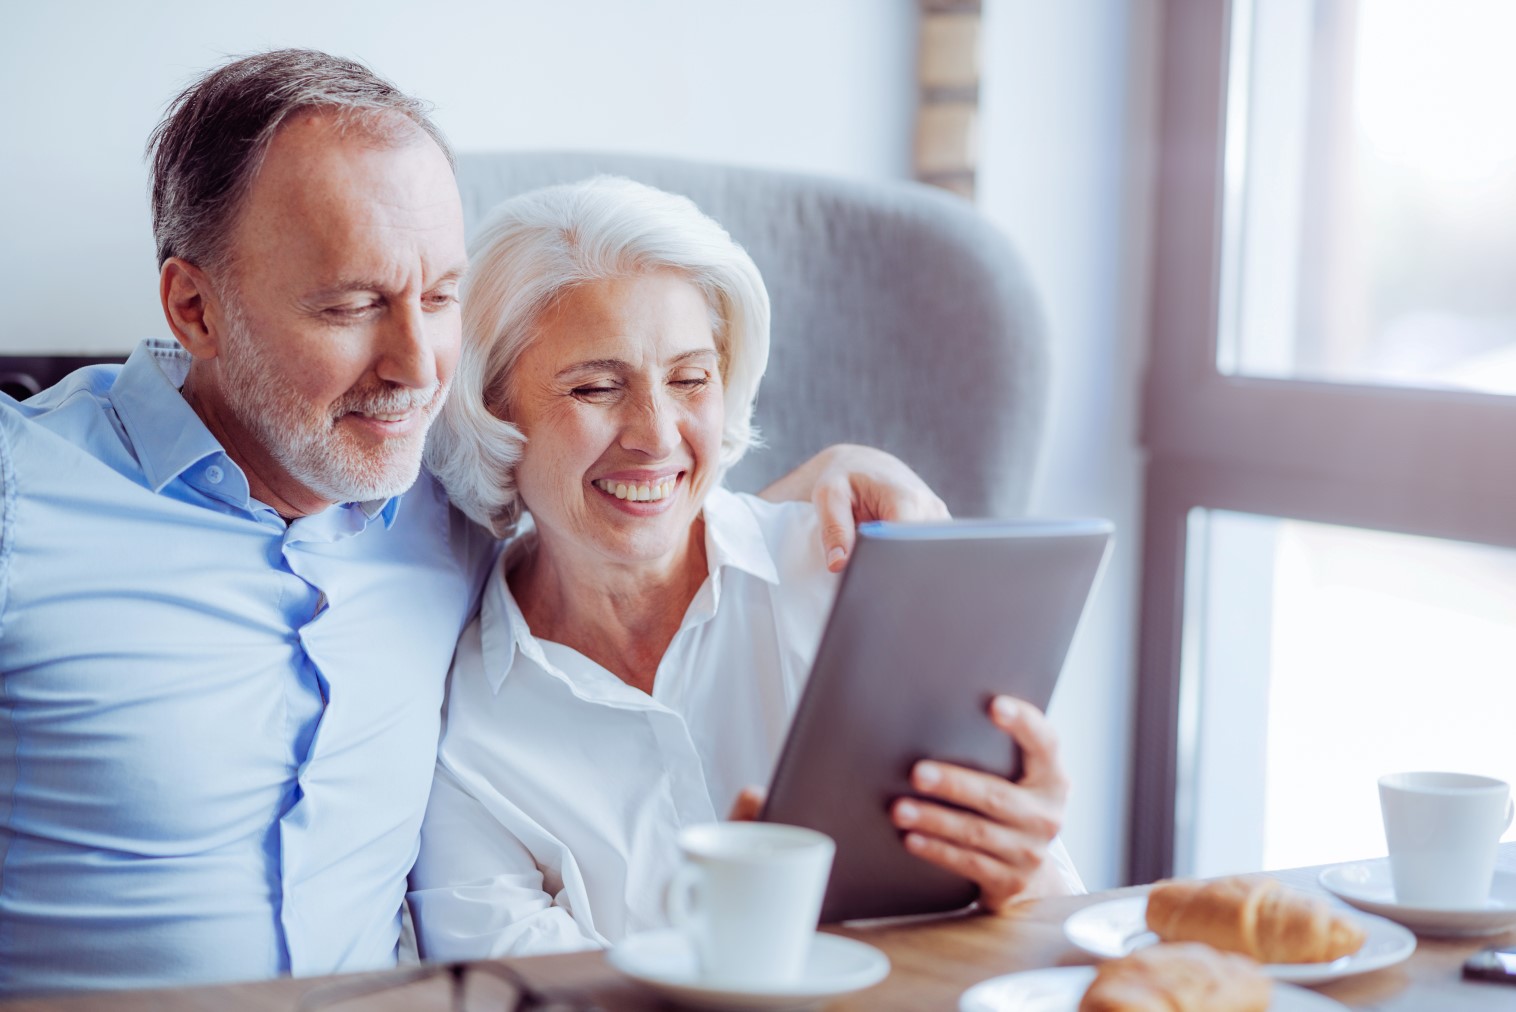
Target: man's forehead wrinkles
[(389, 281), (413, 215)]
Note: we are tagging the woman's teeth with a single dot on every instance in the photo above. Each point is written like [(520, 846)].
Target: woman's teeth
[(647, 492)]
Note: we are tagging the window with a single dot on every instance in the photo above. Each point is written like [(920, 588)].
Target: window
[(1325, 656), (1331, 490), (1371, 192)]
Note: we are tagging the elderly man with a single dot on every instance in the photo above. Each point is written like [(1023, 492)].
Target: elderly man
[(226, 601)]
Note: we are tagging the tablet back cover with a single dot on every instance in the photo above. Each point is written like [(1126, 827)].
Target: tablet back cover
[(931, 622)]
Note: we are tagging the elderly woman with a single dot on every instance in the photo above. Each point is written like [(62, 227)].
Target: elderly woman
[(640, 649)]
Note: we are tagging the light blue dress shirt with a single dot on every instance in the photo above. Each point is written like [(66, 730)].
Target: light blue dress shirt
[(217, 729)]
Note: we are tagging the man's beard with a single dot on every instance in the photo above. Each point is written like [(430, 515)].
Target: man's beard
[(305, 440)]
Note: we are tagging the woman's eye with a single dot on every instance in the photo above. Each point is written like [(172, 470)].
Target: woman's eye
[(592, 391), (692, 382)]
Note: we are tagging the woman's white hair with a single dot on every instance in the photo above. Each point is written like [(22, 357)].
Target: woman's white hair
[(535, 247)]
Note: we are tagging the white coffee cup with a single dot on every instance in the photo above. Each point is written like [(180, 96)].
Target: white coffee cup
[(1443, 830), (748, 898)]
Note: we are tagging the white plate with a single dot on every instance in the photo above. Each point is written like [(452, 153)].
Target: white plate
[(664, 961), (1059, 990), (1367, 886), (1116, 927)]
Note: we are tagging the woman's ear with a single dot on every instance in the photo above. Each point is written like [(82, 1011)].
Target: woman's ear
[(191, 306)]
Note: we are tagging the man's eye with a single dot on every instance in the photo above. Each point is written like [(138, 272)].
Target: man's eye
[(350, 312)]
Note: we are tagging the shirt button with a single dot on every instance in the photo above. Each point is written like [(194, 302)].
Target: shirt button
[(214, 474)]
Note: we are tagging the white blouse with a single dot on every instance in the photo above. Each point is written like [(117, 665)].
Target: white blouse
[(560, 789)]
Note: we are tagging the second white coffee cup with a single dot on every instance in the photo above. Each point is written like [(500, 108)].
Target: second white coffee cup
[(1443, 830), (748, 898)]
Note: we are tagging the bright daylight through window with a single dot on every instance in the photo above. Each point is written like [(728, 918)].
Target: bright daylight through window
[(1334, 655), (1371, 178)]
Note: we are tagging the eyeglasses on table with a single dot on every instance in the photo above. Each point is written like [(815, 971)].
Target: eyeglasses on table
[(472, 987)]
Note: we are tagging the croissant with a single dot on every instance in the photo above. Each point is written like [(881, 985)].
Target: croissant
[(1255, 916), (1183, 977)]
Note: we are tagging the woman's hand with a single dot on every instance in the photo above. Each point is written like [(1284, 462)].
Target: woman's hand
[(850, 484), (748, 804), (1002, 842)]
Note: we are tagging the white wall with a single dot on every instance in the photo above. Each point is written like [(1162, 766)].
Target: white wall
[(819, 86), (824, 87), (1067, 105)]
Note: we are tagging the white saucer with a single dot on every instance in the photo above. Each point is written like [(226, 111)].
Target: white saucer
[(1367, 886), (664, 961), (1059, 990), (1117, 927)]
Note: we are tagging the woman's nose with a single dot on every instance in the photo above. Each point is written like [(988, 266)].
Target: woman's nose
[(653, 427)]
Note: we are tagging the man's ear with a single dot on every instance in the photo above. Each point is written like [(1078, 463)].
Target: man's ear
[(193, 310)]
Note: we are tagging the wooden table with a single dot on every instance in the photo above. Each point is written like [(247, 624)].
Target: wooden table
[(932, 964)]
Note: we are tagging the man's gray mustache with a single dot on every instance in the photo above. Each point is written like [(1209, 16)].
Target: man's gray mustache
[(391, 401)]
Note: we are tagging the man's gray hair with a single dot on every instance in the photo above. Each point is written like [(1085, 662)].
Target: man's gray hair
[(534, 248), (207, 149)]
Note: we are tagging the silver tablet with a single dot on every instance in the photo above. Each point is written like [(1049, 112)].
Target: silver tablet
[(930, 622)]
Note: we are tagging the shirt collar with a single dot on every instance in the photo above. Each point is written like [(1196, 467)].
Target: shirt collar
[(732, 538), (502, 626), (168, 437)]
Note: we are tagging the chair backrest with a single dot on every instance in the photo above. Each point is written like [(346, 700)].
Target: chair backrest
[(901, 318)]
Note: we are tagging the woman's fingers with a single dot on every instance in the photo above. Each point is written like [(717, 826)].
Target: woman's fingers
[(989, 799), (998, 882), (834, 506), (858, 483), (971, 832), (1001, 857), (999, 831), (748, 805), (1038, 794), (1030, 728)]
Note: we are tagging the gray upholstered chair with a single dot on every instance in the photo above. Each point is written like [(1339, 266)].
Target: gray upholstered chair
[(901, 318)]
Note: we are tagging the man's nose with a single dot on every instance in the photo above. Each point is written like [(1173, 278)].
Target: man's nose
[(406, 354)]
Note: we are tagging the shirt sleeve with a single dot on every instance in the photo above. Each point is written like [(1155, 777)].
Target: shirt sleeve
[(7, 504), (1059, 855), (476, 892)]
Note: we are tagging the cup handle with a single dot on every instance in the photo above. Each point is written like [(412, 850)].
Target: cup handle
[(1510, 810), (681, 900)]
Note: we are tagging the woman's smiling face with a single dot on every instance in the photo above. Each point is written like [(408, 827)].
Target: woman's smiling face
[(619, 394)]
